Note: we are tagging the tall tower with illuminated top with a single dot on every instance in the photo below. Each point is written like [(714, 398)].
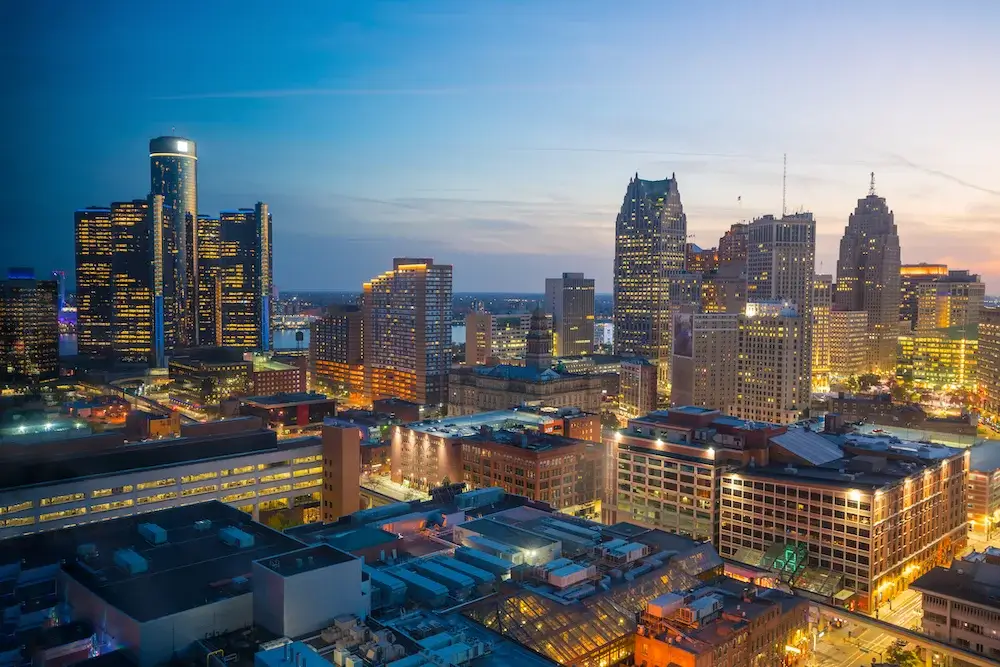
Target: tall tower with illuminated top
[(173, 163)]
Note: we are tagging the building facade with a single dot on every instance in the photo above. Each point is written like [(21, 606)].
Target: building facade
[(209, 280), (988, 368), (472, 390), (478, 338), (29, 328), (94, 249), (954, 301), (173, 164), (960, 606), (132, 279), (336, 351), (570, 301), (637, 395), (911, 276), (650, 238), (868, 276), (984, 490), (771, 385), (849, 338), (733, 246), (822, 304), (246, 278), (407, 332), (941, 359), (704, 373)]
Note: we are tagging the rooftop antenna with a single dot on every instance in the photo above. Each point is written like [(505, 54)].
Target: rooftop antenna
[(173, 130), (871, 186), (784, 181)]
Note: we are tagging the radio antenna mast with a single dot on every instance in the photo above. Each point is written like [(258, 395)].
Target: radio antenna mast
[(784, 181)]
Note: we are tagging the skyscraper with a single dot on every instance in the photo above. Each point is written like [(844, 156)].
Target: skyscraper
[(173, 163), (570, 300), (822, 304), (93, 281), (209, 280), (539, 342), (246, 279), (781, 269), (911, 276), (407, 332), (770, 384), (733, 245), (650, 239), (988, 378), (29, 328), (132, 325), (705, 355), (849, 338), (868, 276), (336, 351)]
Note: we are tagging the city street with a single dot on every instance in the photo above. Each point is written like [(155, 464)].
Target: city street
[(851, 646)]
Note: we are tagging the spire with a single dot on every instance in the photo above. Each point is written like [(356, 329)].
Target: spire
[(871, 186)]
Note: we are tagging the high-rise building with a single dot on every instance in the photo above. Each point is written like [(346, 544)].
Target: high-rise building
[(407, 332), (724, 291), (29, 328), (570, 300), (733, 245), (700, 260), (939, 359), (173, 163), (637, 383), (770, 383), (951, 301), (988, 371), (849, 336), (60, 278), (650, 237), (781, 268), (822, 303), (911, 276), (93, 281), (132, 322), (209, 280), (478, 338), (538, 350), (868, 276), (704, 366), (336, 351), (246, 279)]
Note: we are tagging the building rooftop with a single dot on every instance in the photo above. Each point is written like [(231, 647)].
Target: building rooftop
[(985, 457), (812, 447), (522, 373), (457, 427), (284, 399), (976, 583), (192, 566), (304, 560), (889, 444), (261, 364), (532, 442), (507, 534)]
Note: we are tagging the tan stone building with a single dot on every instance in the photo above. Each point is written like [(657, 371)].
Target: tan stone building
[(485, 388), (849, 342)]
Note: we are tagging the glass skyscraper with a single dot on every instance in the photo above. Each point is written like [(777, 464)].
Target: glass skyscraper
[(93, 281), (246, 278), (650, 240), (29, 328), (173, 165)]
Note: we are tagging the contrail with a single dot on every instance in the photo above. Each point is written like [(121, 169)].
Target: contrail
[(941, 174)]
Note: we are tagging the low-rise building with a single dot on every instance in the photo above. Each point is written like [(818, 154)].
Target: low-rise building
[(486, 388), (289, 410), (984, 490)]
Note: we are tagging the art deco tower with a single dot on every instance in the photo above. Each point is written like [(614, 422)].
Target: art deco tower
[(650, 239), (868, 276)]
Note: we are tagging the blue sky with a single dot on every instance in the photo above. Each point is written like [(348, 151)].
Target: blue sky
[(500, 136)]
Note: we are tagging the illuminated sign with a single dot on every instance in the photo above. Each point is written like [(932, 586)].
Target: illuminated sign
[(182, 146)]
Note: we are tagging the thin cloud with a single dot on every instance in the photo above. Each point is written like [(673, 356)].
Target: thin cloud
[(946, 176), (382, 92)]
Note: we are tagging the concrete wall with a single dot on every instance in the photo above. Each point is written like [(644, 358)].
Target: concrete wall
[(123, 628), (268, 599), (315, 597), (162, 637)]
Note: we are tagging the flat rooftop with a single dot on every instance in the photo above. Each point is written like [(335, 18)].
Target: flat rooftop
[(305, 560), (46, 469), (531, 442), (282, 399), (192, 567), (985, 457), (507, 534), (892, 445), (976, 583), (265, 364), (456, 427)]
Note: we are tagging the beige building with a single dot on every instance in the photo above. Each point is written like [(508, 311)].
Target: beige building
[(496, 339), (485, 388), (988, 370), (771, 381), (961, 605), (704, 365), (955, 300), (637, 382), (848, 342), (822, 304)]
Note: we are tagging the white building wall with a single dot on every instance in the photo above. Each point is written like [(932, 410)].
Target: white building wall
[(163, 637)]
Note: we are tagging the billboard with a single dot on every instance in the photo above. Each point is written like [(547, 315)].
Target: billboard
[(683, 335)]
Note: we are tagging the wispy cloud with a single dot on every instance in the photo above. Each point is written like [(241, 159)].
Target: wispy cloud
[(387, 92), (944, 175)]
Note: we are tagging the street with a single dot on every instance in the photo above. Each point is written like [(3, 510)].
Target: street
[(851, 646)]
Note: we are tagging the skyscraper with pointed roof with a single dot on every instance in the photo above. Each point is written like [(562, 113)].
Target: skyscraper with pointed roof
[(868, 276)]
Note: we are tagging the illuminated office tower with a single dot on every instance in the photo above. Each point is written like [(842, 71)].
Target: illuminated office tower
[(770, 385), (700, 260), (650, 239), (637, 394), (246, 280), (29, 328), (478, 338), (336, 352), (733, 245), (988, 371), (93, 281), (911, 276), (407, 332), (704, 364), (781, 268), (868, 276), (938, 359), (570, 301), (209, 280), (822, 303), (173, 163), (848, 342), (951, 301), (132, 323)]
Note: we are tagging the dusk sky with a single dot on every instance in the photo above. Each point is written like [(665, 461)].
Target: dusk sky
[(500, 136)]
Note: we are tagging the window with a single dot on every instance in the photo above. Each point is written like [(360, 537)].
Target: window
[(18, 521), (235, 497), (274, 477), (18, 507), (307, 459), (113, 505), (156, 484), (103, 493), (59, 500), (246, 481), (275, 489), (307, 484), (157, 498), (308, 471), (187, 479), (53, 516), (198, 490)]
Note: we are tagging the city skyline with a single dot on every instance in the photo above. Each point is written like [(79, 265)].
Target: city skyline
[(483, 157)]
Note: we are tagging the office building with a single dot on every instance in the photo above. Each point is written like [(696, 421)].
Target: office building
[(911, 276), (94, 248), (478, 338), (724, 291), (134, 335), (336, 352), (472, 390), (705, 359), (209, 280), (496, 339), (342, 470), (849, 342), (650, 238), (700, 260), (723, 624), (637, 394), (852, 516), (781, 267), (733, 246), (984, 490), (941, 359), (771, 382), (954, 301), (283, 410), (29, 328), (173, 163), (822, 304), (988, 368), (407, 332), (868, 276), (961, 605), (570, 301), (246, 278)]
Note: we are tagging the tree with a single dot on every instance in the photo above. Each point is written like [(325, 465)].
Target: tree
[(868, 380), (899, 656), (609, 420)]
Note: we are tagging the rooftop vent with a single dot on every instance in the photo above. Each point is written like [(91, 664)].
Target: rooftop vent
[(235, 537), (152, 533)]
